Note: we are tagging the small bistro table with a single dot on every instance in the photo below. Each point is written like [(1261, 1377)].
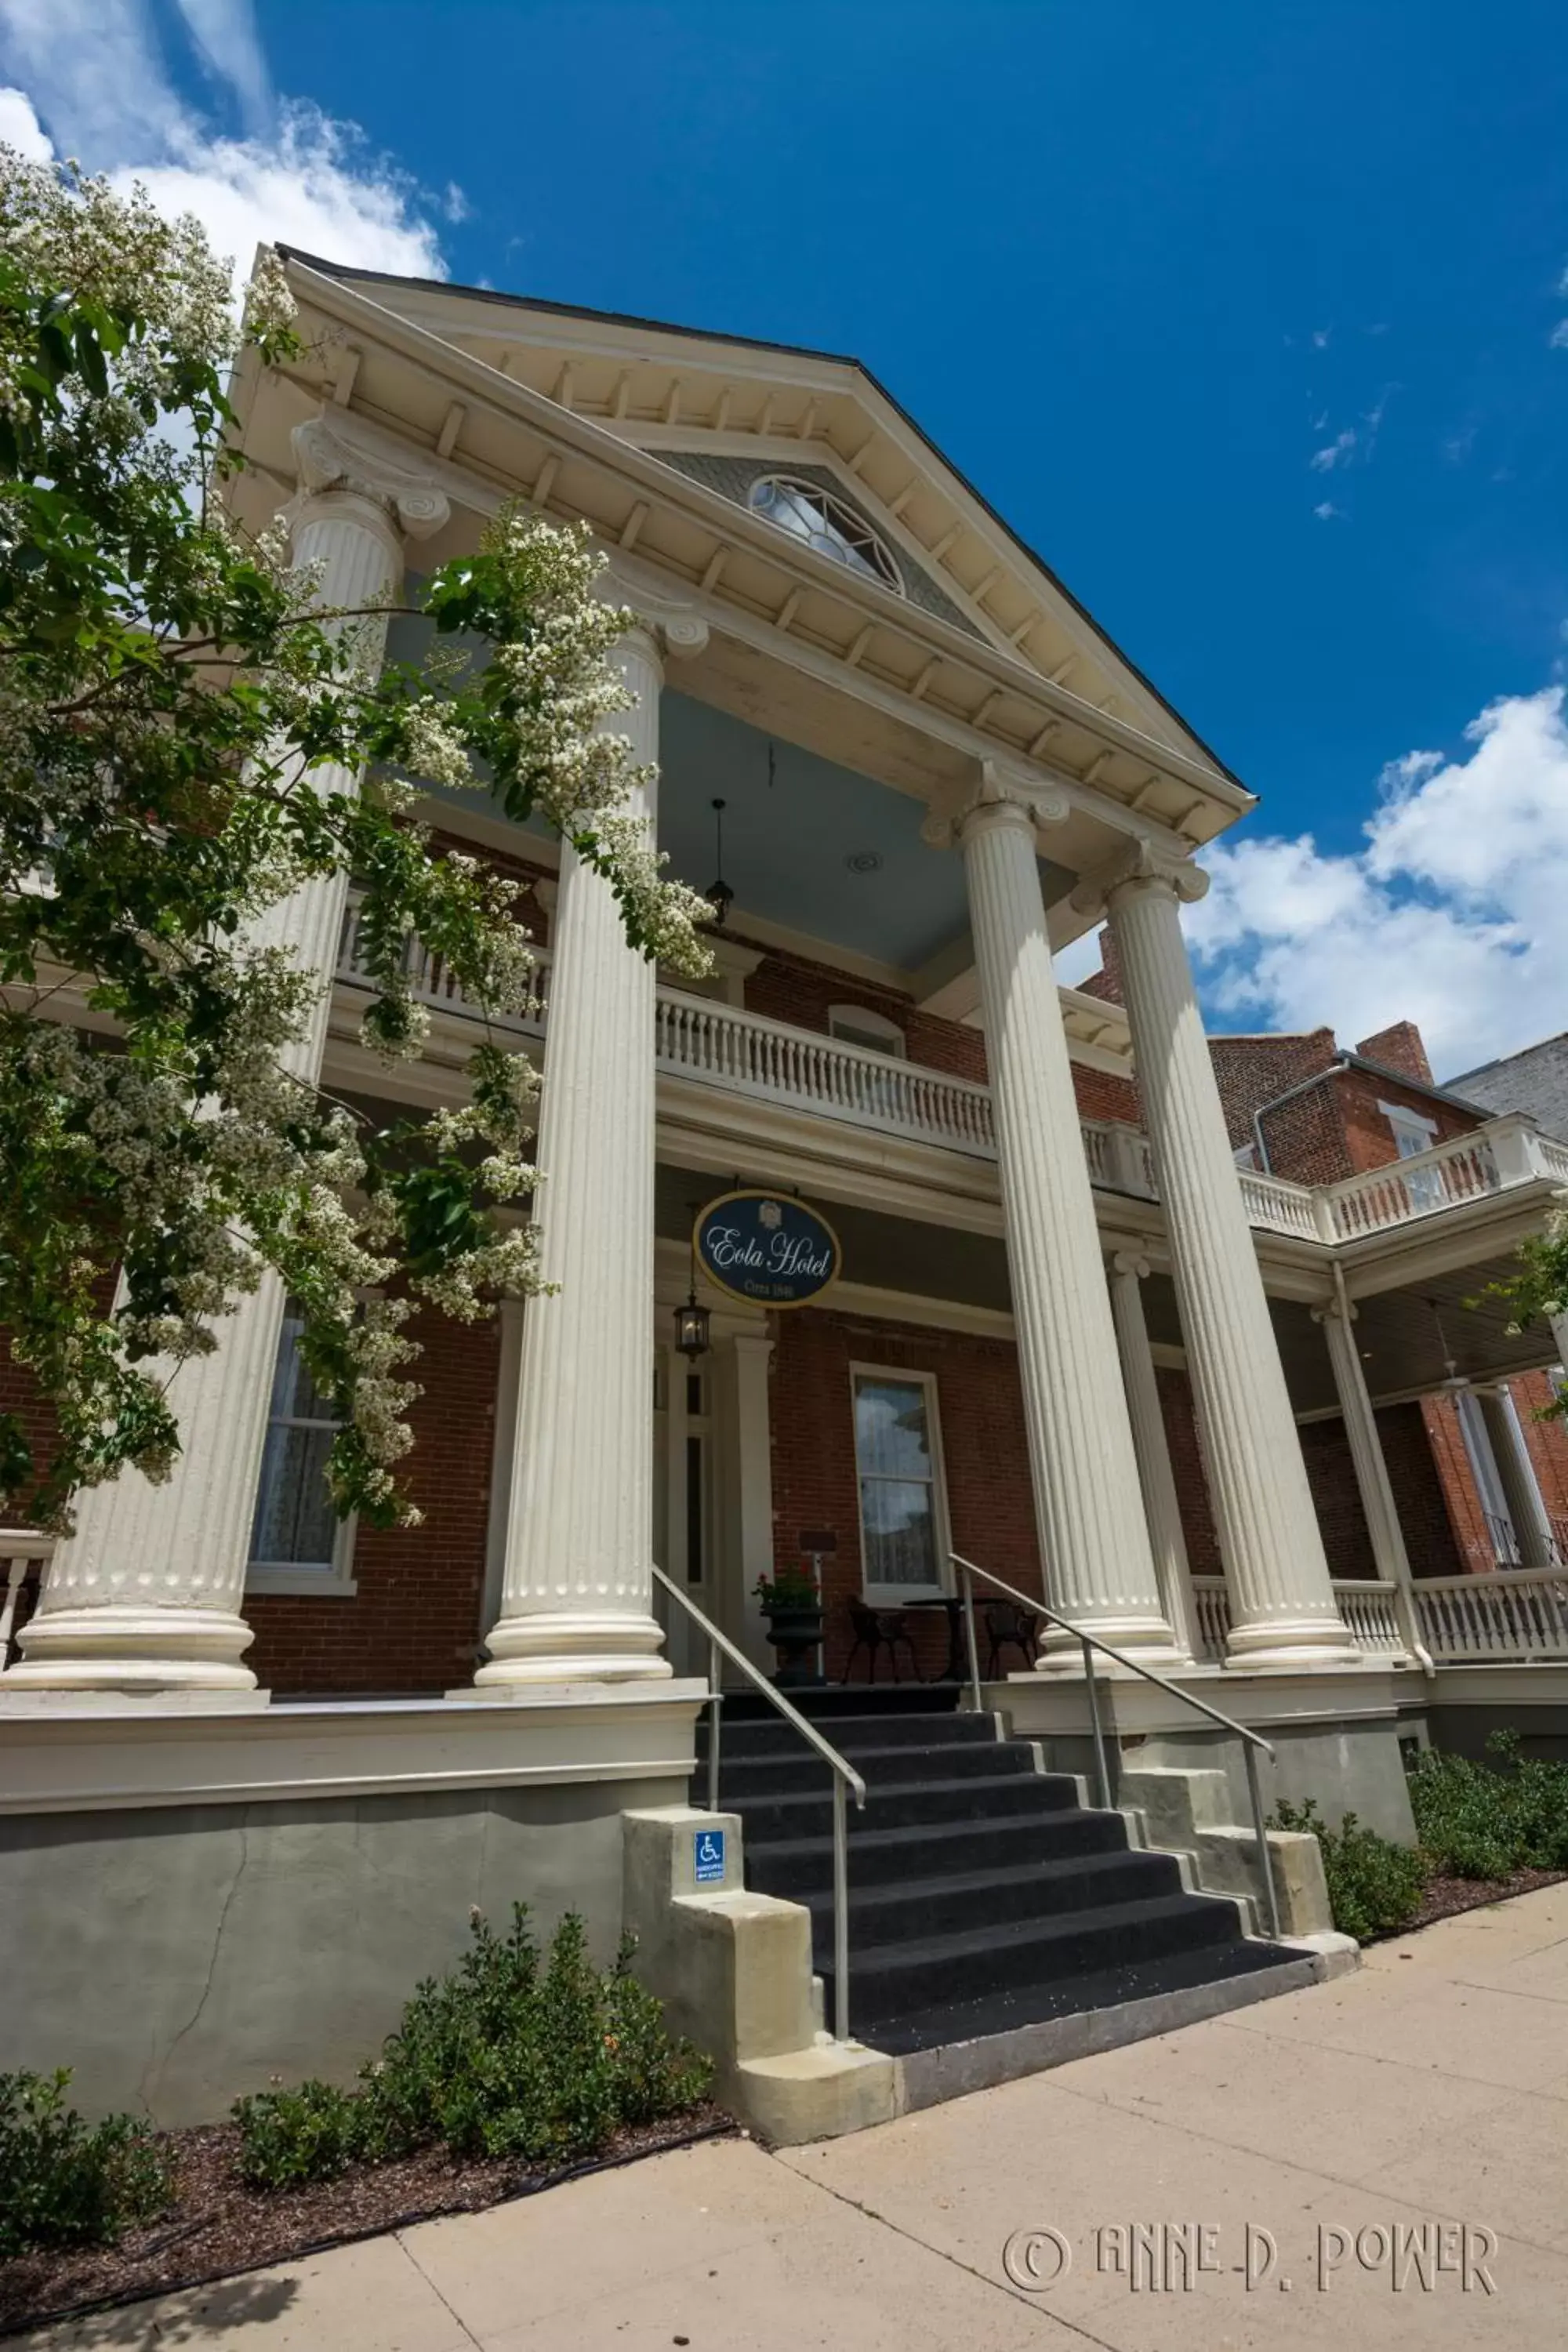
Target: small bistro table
[(956, 1667)]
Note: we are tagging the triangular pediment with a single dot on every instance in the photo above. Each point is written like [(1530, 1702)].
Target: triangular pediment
[(723, 409)]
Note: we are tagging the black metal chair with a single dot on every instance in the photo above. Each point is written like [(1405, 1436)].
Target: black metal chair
[(874, 1630), (1008, 1627)]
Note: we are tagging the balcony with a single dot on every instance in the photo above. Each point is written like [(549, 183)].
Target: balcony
[(1512, 1616), (709, 1044)]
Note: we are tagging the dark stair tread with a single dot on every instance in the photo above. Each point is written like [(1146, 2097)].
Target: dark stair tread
[(1005, 1760), (817, 1701), (921, 1835), (1047, 1782), (1055, 1871), (1002, 2012), (964, 1944), (851, 1731)]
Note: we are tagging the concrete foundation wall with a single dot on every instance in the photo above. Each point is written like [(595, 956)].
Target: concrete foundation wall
[(175, 1956), (1465, 1730)]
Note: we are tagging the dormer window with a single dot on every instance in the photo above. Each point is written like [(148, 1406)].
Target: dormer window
[(825, 523)]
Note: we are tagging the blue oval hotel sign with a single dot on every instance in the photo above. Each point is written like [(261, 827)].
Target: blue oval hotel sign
[(767, 1248)]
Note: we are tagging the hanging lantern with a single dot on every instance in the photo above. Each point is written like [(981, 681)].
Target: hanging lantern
[(719, 895), (692, 1328)]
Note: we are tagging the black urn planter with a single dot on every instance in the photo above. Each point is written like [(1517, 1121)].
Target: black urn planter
[(794, 1634)]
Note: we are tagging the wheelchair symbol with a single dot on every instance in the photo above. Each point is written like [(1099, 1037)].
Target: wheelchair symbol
[(710, 1855)]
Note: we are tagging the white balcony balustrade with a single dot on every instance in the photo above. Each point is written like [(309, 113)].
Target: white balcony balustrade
[(1516, 1614), (711, 1044)]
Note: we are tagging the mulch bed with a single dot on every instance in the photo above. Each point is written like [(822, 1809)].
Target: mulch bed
[(217, 2226), (1444, 1898)]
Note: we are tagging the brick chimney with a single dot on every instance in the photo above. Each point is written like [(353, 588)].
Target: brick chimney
[(1399, 1048), (1105, 983)]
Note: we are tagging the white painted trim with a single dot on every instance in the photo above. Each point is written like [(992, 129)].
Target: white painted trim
[(305, 1583), (888, 1596), (57, 1756), (1399, 1115), (503, 1437), (870, 1024)]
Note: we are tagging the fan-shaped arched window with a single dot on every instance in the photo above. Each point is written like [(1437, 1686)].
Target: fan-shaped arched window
[(826, 523)]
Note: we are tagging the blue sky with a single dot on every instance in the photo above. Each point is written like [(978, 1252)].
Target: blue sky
[(1270, 294)]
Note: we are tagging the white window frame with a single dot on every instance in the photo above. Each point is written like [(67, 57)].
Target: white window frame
[(870, 1024), (1412, 1131), (889, 1596), (332, 1580)]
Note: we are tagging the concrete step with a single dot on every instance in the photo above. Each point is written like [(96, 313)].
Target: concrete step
[(795, 1868)]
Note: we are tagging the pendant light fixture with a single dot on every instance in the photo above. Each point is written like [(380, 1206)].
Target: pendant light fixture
[(719, 895), (691, 1320)]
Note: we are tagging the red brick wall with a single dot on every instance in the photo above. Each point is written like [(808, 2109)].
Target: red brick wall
[(979, 1409), (1330, 1473), (1336, 1497), (1399, 1048), (1547, 1441), (1369, 1137), (1424, 1518), (414, 1622), (1191, 1477), (1472, 1542), (1252, 1070)]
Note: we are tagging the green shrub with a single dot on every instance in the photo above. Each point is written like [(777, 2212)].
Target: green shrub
[(506, 2056), (64, 2182), (1375, 1885), (1481, 1820), (287, 2137)]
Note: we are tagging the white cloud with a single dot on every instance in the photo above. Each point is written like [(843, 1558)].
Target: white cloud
[(1557, 340), (20, 127), (95, 78), (1451, 916), (225, 32), (1337, 452), (1326, 510)]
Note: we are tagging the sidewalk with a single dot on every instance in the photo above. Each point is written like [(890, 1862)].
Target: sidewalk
[(1430, 2088)]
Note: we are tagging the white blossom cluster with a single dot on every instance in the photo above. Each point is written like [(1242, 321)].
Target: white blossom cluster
[(185, 1141)]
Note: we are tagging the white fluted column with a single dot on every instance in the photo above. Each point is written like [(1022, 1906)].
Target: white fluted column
[(146, 1596), (577, 1601), (1161, 1508), (1099, 1572), (1372, 1482), (1283, 1608), (1559, 1324), (1516, 1474)]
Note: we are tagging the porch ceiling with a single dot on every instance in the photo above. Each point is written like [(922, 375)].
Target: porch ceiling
[(801, 834)]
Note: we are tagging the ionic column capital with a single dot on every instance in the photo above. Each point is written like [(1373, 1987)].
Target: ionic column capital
[(1138, 864), (1336, 1310), (671, 622), (1134, 1261), (996, 794), (340, 461)]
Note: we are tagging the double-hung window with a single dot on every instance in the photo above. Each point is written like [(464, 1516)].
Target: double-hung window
[(1414, 1134), (297, 1543), (898, 1462)]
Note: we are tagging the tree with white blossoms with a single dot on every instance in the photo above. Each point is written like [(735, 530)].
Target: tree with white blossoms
[(1537, 1292), (172, 703)]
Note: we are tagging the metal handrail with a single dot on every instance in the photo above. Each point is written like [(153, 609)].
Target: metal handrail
[(845, 1775), (1091, 1642)]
